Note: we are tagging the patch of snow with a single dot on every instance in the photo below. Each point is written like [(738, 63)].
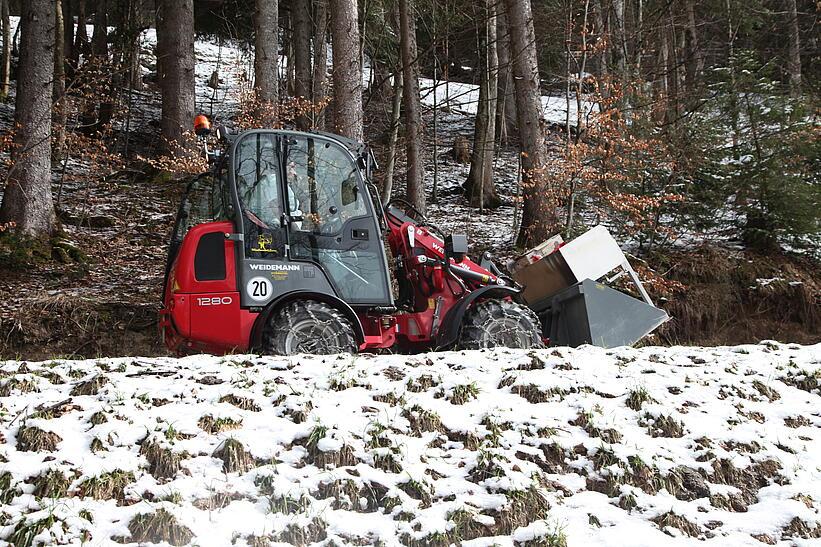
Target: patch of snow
[(396, 462)]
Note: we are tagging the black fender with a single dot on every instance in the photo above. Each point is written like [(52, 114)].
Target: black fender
[(287, 298), (449, 331)]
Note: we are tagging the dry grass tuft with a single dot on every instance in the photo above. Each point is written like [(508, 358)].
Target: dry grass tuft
[(26, 532), (97, 445), (637, 398), (210, 424), (90, 387), (163, 462), (258, 541), (7, 491), (421, 383), (386, 460), (298, 535), (677, 521), (51, 484), (522, 508), (238, 401), (417, 490), (18, 385), (463, 393), (343, 492), (98, 418), (158, 527), (422, 420), (804, 380), (585, 421), (34, 439), (797, 421), (803, 530), (535, 395), (235, 459), (734, 503), (766, 391), (535, 363), (217, 501), (465, 526), (389, 398), (393, 373), (107, 486), (664, 426)]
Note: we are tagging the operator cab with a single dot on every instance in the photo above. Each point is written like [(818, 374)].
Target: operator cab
[(306, 220), (283, 215)]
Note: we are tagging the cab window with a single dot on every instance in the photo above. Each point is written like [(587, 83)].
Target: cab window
[(323, 186), (257, 174), (205, 200)]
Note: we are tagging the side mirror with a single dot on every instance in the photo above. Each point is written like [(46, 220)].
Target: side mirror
[(456, 247)]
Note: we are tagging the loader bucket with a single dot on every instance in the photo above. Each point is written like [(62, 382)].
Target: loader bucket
[(591, 313)]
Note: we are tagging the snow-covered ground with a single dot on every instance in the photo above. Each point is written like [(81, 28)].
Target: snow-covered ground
[(651, 446), (464, 98)]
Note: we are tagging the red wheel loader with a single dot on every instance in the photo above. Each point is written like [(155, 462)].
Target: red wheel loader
[(281, 249)]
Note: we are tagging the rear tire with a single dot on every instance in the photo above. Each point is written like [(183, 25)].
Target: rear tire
[(308, 326), (500, 323)]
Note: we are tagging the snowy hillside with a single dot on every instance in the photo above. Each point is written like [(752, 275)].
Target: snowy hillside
[(646, 446)]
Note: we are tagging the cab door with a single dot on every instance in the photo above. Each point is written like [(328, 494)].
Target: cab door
[(330, 221), (201, 297)]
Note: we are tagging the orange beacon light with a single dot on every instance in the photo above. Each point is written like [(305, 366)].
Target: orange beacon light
[(201, 125)]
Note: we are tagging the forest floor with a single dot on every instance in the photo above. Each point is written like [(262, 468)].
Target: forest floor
[(106, 302), (640, 447), (101, 298)]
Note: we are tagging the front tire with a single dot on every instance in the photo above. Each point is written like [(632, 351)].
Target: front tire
[(308, 326), (500, 323)]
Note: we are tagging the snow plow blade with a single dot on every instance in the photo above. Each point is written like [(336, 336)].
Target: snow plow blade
[(592, 313)]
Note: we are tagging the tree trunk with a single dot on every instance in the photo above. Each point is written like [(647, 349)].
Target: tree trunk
[(59, 86), (538, 212), (5, 58), (288, 50), (68, 37), (662, 68), (175, 38), (347, 71), (81, 36), (794, 57), (99, 53), (99, 41), (396, 107), (320, 79), (266, 71), (133, 30), (603, 69), (27, 200), (301, 39), (619, 40), (413, 109), (479, 184), (695, 58), (99, 49), (505, 100)]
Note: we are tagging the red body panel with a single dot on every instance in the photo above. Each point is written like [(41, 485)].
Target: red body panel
[(206, 315)]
